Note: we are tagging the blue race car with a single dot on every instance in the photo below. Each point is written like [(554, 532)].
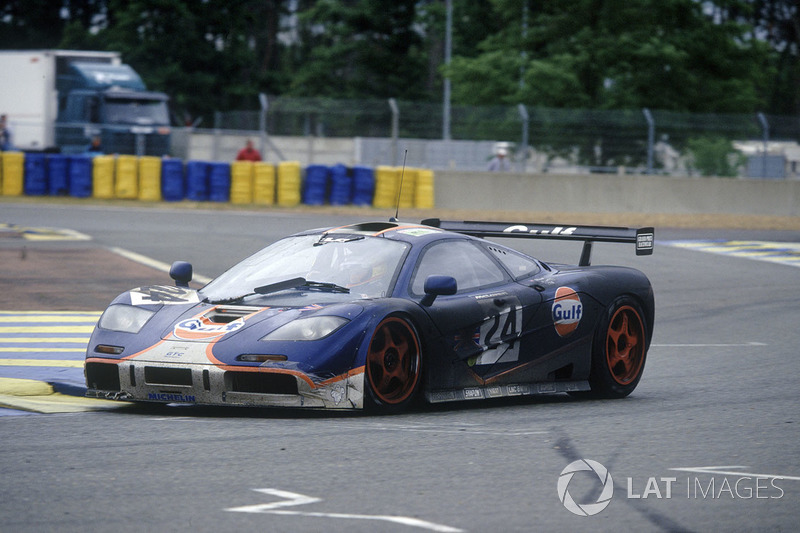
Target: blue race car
[(382, 314)]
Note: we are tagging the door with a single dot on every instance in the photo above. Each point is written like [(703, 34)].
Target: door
[(484, 322)]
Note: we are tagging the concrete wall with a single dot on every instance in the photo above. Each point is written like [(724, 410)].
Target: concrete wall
[(586, 193), (607, 193)]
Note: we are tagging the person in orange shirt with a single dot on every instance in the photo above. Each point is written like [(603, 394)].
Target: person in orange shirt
[(248, 153)]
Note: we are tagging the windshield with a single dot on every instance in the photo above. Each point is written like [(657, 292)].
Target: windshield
[(364, 265), (134, 111)]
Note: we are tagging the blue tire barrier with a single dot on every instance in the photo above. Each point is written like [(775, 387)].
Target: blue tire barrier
[(315, 186), (197, 181), (35, 175), (363, 185), (341, 185), (219, 182), (80, 176), (172, 186), (58, 174)]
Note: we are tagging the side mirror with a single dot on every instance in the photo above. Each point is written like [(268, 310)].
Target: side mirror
[(181, 272), (438, 286)]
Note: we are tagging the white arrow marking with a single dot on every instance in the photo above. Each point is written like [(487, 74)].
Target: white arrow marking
[(728, 471), (293, 499)]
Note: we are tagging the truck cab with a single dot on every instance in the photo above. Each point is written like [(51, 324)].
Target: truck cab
[(109, 101)]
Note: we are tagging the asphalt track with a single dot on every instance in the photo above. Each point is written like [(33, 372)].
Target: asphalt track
[(708, 442)]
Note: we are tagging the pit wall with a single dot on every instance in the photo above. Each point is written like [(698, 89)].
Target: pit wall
[(611, 193), (240, 182)]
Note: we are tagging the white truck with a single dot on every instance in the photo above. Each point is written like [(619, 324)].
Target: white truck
[(58, 100)]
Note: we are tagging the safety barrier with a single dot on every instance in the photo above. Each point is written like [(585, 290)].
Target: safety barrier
[(150, 178)]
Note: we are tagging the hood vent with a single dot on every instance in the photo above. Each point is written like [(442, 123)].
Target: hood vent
[(225, 315)]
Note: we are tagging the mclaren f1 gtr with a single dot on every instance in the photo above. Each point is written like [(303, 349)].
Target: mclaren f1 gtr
[(379, 315)]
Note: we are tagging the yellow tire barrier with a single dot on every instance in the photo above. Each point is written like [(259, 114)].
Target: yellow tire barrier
[(424, 197), (289, 183), (13, 175), (150, 178), (127, 182), (387, 181), (264, 183), (242, 182), (103, 176)]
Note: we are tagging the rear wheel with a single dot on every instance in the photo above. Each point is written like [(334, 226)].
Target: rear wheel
[(619, 350), (394, 364)]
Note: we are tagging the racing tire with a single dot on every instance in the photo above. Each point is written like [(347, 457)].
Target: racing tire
[(393, 369), (619, 350)]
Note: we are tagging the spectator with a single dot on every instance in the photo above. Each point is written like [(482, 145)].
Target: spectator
[(499, 161), (248, 153), (95, 147), (5, 135)]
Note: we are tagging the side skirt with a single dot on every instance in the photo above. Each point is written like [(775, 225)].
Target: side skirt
[(502, 391)]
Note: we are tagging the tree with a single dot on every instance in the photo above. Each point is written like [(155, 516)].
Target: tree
[(617, 54), (358, 49)]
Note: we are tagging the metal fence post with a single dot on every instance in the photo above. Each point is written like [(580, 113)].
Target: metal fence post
[(217, 134), (395, 128), (448, 52), (523, 113), (765, 130), (651, 138), (262, 123)]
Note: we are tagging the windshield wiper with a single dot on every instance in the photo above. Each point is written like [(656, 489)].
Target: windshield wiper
[(322, 285), (294, 283), (266, 289)]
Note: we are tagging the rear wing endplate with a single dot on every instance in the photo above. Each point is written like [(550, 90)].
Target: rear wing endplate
[(643, 238)]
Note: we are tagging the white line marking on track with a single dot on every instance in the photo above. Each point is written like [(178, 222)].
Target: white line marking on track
[(711, 345), (152, 263), (784, 253), (292, 499), (728, 471), (456, 429)]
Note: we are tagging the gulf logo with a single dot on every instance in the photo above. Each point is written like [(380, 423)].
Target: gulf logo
[(199, 329), (567, 311)]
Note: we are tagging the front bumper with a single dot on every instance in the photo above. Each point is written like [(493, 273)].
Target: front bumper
[(209, 384)]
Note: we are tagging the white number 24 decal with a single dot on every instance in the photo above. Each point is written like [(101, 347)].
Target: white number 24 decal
[(499, 336)]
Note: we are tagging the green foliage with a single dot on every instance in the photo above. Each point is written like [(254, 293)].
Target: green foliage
[(717, 56), (715, 156)]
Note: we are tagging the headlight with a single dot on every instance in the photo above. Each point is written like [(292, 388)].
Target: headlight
[(307, 329), (125, 318)]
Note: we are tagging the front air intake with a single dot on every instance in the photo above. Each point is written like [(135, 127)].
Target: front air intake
[(157, 375), (102, 376), (260, 382)]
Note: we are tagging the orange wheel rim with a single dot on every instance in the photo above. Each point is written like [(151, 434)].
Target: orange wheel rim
[(393, 361), (625, 345)]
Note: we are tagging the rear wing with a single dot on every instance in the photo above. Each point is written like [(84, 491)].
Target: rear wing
[(643, 238)]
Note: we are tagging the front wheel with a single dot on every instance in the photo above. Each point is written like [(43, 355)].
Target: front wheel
[(394, 364), (619, 350)]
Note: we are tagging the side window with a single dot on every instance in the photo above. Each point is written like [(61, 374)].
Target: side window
[(464, 261), (516, 263)]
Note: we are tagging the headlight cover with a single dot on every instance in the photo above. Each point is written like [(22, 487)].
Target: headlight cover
[(307, 329), (125, 318)]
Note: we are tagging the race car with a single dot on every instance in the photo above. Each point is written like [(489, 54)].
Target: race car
[(380, 315)]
